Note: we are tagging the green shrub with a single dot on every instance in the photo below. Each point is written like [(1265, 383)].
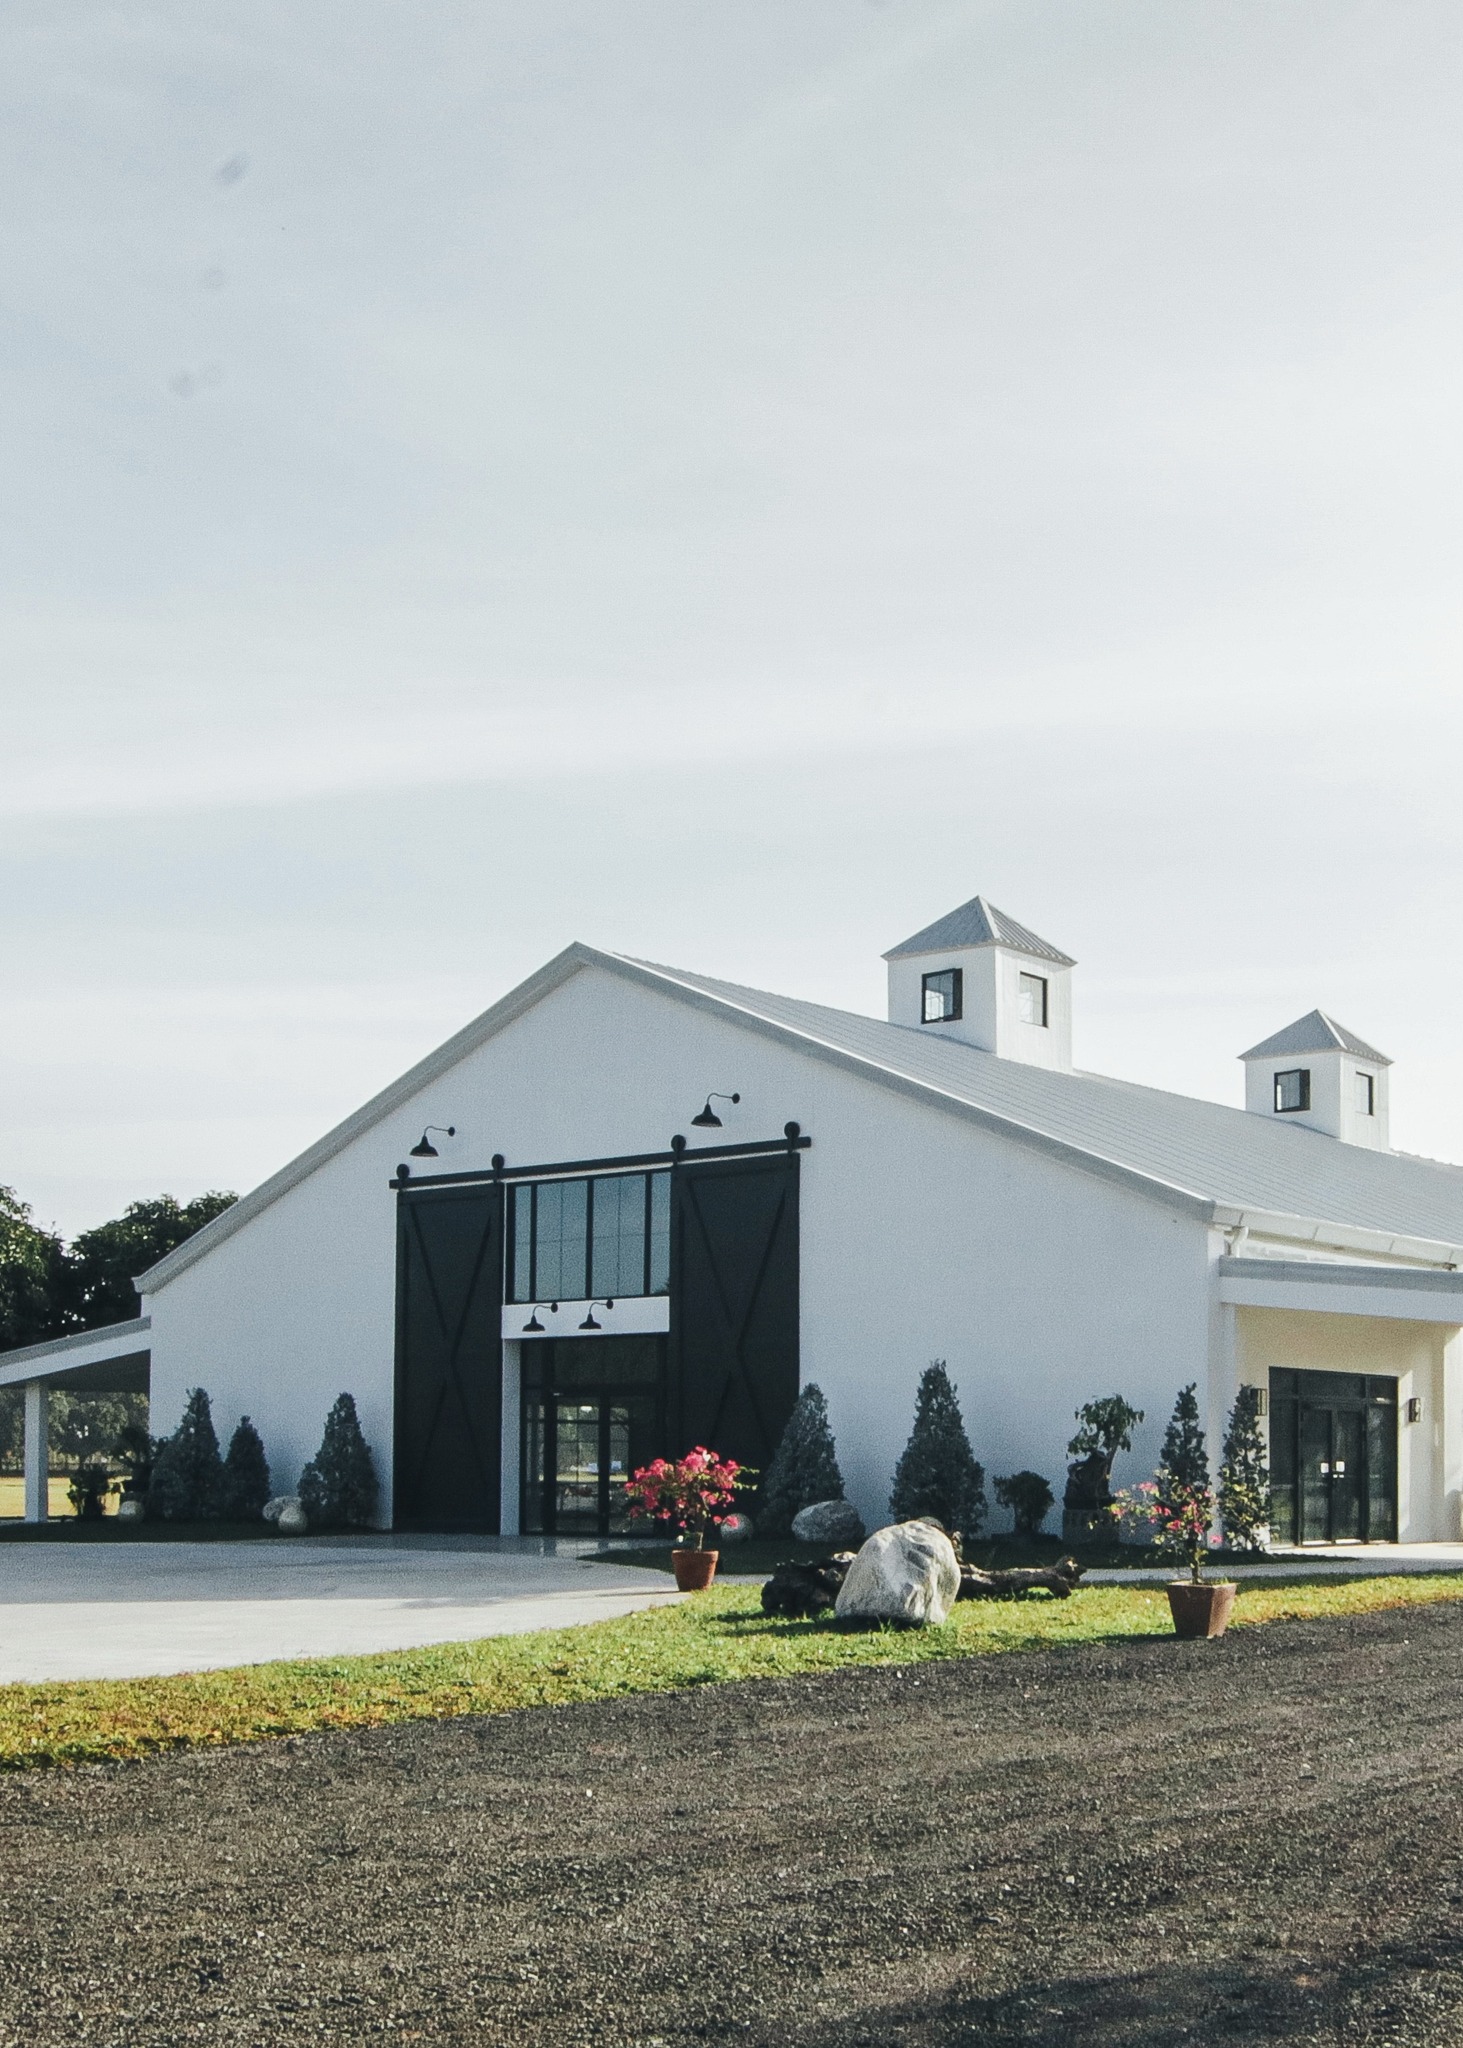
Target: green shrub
[(1244, 1478), (804, 1467), (188, 1473), (246, 1475), (1028, 1497), (938, 1474), (338, 1487)]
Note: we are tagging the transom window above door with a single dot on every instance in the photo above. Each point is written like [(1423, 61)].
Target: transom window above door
[(605, 1236)]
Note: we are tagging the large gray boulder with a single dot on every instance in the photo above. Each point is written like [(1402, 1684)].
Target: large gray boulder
[(906, 1573), (832, 1522)]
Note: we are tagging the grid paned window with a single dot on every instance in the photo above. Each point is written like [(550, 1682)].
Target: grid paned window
[(1292, 1090), (573, 1240), (940, 996), (1031, 995), (1366, 1095)]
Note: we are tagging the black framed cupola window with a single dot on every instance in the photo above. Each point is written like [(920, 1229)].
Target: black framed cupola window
[(1292, 1090), (941, 996), (588, 1238)]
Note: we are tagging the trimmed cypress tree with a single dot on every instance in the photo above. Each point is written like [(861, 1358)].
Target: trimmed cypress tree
[(246, 1475), (1185, 1458), (1028, 1497), (338, 1487), (938, 1474), (187, 1482), (1244, 1477), (804, 1467)]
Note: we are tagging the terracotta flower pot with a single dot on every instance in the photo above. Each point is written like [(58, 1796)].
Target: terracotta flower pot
[(694, 1569), (1203, 1609)]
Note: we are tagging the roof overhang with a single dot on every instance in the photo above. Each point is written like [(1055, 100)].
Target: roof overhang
[(106, 1361), (1329, 1287)]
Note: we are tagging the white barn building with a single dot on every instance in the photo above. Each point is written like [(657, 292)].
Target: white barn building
[(589, 1270)]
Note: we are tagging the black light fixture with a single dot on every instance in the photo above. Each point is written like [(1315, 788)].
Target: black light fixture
[(708, 1120), (589, 1323), (533, 1325), (426, 1149)]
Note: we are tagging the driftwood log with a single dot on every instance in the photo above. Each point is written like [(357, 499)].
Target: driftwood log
[(1060, 1580), (799, 1591)]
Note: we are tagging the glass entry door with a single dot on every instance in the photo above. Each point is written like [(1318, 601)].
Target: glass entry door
[(593, 1411), (1333, 1457)]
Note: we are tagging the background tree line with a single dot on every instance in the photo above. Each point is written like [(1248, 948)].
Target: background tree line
[(50, 1289)]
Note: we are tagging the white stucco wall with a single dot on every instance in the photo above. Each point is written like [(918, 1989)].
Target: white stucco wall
[(922, 1236)]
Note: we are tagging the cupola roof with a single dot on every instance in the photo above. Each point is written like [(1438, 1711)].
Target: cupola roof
[(978, 923), (1315, 1032)]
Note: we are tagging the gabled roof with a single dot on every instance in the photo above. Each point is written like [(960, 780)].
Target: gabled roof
[(1193, 1156), (978, 923), (1315, 1032)]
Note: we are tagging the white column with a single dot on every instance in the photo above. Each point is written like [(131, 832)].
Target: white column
[(37, 1449)]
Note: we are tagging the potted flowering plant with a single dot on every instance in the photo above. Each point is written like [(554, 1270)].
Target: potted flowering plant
[(1177, 1506), (688, 1495)]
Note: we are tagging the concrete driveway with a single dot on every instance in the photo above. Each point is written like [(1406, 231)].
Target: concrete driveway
[(131, 1610)]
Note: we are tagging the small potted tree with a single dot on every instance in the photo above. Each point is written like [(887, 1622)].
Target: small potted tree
[(1177, 1505), (688, 1495)]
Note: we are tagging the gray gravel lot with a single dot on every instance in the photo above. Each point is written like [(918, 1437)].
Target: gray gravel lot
[(1256, 1840)]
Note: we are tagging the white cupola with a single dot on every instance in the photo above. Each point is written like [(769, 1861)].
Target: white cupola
[(979, 976), (1317, 1073)]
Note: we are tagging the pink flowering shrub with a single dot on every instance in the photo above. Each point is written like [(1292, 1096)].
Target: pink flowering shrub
[(685, 1493), (1179, 1519)]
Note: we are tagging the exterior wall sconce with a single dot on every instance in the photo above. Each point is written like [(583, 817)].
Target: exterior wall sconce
[(708, 1120), (426, 1149), (533, 1327), (589, 1322), (1414, 1408)]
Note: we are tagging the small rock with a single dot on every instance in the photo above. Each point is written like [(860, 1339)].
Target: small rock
[(906, 1573), (129, 1510), (736, 1528), (829, 1521), (287, 1514)]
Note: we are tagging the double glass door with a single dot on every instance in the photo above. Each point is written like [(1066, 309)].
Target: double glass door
[(592, 1413), (1333, 1457)]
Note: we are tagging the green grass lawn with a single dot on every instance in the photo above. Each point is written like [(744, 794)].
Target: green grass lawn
[(707, 1640)]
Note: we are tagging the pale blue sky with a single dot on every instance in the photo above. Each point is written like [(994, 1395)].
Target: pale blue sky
[(725, 481)]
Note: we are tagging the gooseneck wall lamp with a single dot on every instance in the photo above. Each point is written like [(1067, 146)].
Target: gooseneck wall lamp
[(426, 1149), (589, 1322), (708, 1120), (533, 1326)]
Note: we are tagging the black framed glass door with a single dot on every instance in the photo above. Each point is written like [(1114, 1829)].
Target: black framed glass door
[(593, 1410), (1333, 1457)]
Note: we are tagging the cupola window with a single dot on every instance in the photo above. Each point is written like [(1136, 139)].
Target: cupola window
[(1366, 1095), (1032, 999), (1292, 1090), (941, 996)]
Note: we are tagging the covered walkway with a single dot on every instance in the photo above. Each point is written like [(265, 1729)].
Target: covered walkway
[(114, 1360)]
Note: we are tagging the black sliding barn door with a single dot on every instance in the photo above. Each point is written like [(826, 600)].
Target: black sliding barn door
[(449, 1374), (734, 1304)]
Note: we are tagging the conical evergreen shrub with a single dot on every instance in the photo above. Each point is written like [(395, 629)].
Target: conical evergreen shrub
[(1244, 1477), (938, 1474), (187, 1482), (804, 1467), (246, 1475), (1184, 1461), (338, 1487)]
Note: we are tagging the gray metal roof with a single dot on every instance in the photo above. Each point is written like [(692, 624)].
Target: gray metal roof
[(1197, 1154), (1230, 1157), (1315, 1032), (978, 923)]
